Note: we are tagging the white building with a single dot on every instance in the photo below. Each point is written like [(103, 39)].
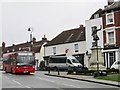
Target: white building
[(70, 42), (0, 57)]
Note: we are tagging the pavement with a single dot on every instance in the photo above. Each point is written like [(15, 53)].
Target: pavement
[(83, 78)]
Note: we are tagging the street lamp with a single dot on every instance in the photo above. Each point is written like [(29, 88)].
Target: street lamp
[(31, 43)]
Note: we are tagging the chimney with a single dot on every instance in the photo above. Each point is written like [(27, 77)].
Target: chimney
[(110, 2), (3, 44), (81, 26), (13, 44), (34, 40), (3, 47), (44, 39)]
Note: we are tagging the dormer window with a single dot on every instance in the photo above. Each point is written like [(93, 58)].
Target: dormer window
[(96, 16), (13, 50), (7, 51), (109, 18), (20, 48)]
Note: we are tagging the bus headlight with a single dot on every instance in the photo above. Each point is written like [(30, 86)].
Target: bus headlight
[(33, 66), (17, 67)]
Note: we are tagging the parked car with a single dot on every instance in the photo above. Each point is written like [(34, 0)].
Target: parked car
[(116, 65)]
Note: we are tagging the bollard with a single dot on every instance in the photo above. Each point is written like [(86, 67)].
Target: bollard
[(58, 72), (48, 70)]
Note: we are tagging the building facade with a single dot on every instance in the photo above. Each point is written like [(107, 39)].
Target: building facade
[(111, 32), (69, 42), (0, 57)]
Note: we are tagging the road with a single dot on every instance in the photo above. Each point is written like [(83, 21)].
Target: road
[(38, 81)]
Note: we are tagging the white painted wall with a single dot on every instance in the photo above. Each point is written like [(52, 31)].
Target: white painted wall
[(119, 54), (60, 49), (37, 56), (89, 39), (40, 55)]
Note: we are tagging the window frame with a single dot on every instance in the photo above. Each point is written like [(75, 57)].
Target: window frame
[(96, 16), (107, 22), (54, 50), (107, 36), (76, 47)]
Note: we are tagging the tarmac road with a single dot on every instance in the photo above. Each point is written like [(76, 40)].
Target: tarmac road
[(39, 81)]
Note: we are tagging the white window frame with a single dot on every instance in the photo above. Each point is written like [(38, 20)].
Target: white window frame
[(76, 47), (96, 16), (107, 38), (20, 48), (107, 23), (54, 50), (7, 51)]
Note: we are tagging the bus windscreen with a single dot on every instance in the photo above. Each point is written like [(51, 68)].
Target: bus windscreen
[(25, 60)]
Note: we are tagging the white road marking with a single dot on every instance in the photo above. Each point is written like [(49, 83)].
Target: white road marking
[(17, 82), (59, 89), (56, 82), (27, 87), (10, 74), (70, 85), (45, 79), (7, 77)]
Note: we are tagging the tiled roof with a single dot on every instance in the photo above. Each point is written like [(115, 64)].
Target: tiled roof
[(25, 46), (69, 36), (114, 6)]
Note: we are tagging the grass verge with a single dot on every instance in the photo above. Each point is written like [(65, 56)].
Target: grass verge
[(111, 77)]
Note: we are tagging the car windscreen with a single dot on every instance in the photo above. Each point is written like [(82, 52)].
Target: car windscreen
[(25, 60), (57, 60), (74, 61)]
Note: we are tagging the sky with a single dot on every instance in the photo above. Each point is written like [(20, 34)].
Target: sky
[(45, 17)]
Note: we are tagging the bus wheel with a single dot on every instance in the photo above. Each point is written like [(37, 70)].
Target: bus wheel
[(11, 70), (6, 70)]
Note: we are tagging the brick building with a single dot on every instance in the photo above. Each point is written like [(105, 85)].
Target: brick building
[(111, 32)]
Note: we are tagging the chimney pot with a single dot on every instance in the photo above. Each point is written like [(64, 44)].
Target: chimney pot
[(81, 26), (110, 2)]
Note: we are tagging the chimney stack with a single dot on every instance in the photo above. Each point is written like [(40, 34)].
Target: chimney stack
[(44, 39), (110, 2), (34, 40), (3, 47), (81, 26)]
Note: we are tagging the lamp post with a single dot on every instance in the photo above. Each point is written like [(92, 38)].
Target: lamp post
[(31, 43)]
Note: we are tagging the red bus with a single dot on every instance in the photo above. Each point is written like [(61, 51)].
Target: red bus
[(19, 62)]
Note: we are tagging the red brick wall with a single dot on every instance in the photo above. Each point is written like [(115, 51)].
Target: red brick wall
[(117, 18), (103, 21), (118, 37), (104, 35), (116, 24)]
